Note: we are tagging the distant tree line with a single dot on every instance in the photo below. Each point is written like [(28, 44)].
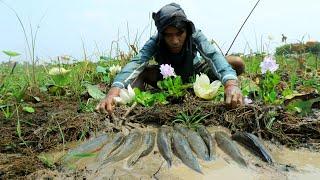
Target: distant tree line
[(312, 47)]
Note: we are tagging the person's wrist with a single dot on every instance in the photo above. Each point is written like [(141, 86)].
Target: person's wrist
[(114, 91), (230, 83)]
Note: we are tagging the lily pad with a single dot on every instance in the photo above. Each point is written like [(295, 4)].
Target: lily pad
[(101, 69), (95, 92), (11, 53), (302, 104)]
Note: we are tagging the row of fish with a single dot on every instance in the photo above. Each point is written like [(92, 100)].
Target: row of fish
[(179, 141), (113, 148)]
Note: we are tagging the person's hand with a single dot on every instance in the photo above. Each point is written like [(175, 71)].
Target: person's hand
[(232, 94), (106, 105)]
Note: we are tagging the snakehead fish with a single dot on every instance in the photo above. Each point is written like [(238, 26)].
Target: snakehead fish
[(148, 141), (207, 138), (195, 141), (164, 144), (130, 145), (230, 148), (253, 144), (110, 146), (184, 152)]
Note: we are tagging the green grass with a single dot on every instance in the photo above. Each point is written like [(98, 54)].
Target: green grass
[(13, 87)]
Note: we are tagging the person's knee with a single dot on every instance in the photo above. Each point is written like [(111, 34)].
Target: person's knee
[(237, 64)]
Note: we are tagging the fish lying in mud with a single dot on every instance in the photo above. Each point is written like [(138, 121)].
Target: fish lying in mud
[(195, 141), (148, 141), (130, 145), (230, 148), (110, 147), (210, 142), (164, 144), (184, 152), (253, 144), (90, 146)]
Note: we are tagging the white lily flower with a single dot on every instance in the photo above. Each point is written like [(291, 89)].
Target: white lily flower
[(114, 69), (58, 71), (126, 96), (203, 88)]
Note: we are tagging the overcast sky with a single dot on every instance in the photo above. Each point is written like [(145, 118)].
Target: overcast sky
[(65, 23)]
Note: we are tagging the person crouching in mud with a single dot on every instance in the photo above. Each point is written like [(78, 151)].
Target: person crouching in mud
[(177, 43)]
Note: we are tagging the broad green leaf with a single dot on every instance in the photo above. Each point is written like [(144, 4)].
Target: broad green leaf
[(28, 109), (101, 69), (302, 107), (95, 92), (11, 53)]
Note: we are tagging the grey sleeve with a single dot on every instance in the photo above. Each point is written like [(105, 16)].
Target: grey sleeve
[(221, 68), (136, 65)]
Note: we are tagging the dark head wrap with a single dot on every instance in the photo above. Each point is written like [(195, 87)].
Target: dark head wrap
[(173, 15), (170, 15)]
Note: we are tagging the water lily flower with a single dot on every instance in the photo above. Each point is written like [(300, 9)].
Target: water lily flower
[(126, 96), (58, 71), (204, 89), (247, 100), (166, 70), (114, 69), (268, 64)]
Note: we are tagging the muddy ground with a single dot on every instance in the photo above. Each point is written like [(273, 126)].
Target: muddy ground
[(59, 120)]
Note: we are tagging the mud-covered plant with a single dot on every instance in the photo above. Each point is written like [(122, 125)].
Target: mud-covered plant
[(191, 119)]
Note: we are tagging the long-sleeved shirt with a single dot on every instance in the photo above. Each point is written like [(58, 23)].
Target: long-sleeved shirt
[(221, 68)]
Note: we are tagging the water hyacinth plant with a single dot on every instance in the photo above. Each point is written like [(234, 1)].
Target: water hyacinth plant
[(269, 80), (167, 71), (268, 64), (171, 84), (203, 89)]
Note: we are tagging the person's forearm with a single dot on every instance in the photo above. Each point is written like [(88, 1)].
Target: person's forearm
[(136, 65), (220, 67)]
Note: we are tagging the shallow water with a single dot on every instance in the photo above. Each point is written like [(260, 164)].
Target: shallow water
[(306, 163)]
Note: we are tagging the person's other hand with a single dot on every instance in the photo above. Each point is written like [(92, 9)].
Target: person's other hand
[(232, 93), (106, 105)]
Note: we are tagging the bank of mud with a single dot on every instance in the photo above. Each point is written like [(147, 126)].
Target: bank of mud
[(58, 121)]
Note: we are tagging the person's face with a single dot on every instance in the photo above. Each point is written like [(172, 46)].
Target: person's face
[(174, 39)]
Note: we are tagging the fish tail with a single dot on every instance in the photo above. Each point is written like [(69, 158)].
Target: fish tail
[(169, 162), (133, 160)]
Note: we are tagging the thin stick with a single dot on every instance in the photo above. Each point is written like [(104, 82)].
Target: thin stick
[(62, 135), (242, 27), (258, 124), (130, 109)]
